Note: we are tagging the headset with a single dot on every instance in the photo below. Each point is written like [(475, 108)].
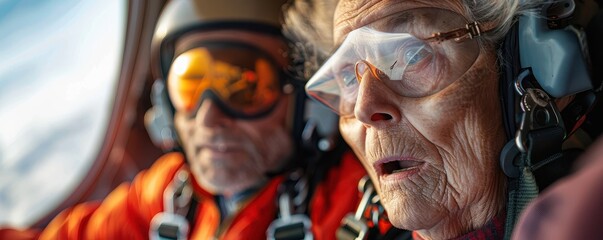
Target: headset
[(545, 57), (549, 54)]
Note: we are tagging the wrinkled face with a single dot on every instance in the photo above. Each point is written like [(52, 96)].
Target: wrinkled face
[(227, 153), (433, 156)]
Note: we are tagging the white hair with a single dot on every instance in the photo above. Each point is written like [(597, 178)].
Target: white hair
[(501, 14), (309, 24)]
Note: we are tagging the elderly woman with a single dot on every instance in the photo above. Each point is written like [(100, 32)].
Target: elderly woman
[(416, 84)]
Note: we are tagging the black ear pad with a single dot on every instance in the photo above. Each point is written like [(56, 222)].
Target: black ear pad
[(159, 119), (510, 68)]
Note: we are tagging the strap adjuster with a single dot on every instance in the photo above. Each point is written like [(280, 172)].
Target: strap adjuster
[(355, 226), (171, 223), (292, 222), (168, 226), (293, 227), (352, 228)]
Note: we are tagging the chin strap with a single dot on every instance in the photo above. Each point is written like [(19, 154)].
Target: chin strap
[(537, 142)]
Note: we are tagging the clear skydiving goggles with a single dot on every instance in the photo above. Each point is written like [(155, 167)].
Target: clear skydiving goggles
[(244, 81), (413, 52)]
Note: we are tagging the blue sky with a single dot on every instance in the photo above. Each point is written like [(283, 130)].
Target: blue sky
[(59, 63)]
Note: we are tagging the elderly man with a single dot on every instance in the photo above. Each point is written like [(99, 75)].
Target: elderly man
[(223, 90)]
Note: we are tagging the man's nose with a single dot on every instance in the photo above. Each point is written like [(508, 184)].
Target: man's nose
[(210, 114)]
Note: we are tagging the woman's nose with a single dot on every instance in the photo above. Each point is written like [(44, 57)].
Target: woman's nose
[(376, 103), (210, 114)]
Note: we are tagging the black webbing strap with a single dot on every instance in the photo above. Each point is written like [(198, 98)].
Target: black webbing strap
[(544, 146), (292, 223), (192, 212)]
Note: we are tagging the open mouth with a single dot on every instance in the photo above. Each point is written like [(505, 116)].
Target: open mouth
[(396, 166)]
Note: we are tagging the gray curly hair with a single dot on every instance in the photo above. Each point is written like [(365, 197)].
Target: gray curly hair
[(309, 24)]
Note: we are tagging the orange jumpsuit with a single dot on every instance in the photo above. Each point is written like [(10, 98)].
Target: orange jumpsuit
[(127, 212)]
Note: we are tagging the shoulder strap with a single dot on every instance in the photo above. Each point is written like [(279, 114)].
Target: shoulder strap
[(172, 223), (317, 155), (364, 223), (292, 221)]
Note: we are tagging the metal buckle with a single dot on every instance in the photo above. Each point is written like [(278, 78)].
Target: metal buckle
[(289, 225), (539, 111), (170, 226), (354, 226), (171, 223), (296, 226), (352, 229)]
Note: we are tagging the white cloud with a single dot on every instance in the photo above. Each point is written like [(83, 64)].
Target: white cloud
[(56, 87)]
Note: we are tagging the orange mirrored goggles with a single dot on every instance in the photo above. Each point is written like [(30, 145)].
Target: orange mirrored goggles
[(244, 81)]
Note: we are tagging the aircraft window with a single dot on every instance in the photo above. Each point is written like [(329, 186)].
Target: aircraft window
[(59, 66)]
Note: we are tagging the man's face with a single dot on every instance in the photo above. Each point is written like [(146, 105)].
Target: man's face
[(227, 150), (228, 155)]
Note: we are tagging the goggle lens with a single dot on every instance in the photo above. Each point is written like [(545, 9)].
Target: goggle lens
[(244, 80), (395, 51)]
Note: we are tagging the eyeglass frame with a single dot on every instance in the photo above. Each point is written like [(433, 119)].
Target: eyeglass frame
[(470, 31)]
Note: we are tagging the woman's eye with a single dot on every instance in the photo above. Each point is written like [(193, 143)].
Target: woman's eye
[(415, 55), (349, 80), (348, 76), (411, 58)]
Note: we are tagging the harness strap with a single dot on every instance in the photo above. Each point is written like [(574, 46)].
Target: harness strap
[(192, 211), (364, 223), (319, 154), (539, 142), (171, 224), (355, 226), (521, 191), (292, 222)]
